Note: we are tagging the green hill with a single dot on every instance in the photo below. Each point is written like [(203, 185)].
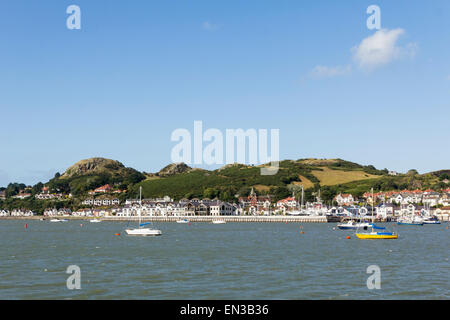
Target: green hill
[(237, 180), (92, 173), (330, 176)]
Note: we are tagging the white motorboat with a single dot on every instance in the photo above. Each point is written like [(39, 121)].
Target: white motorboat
[(353, 225), (143, 231), (431, 220), (410, 221), (183, 221), (95, 221), (58, 220), (218, 221), (139, 231), (297, 213)]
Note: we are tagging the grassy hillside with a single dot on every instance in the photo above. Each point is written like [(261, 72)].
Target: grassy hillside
[(92, 173), (330, 176), (237, 180)]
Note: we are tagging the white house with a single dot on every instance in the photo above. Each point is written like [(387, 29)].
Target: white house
[(220, 208), (4, 213), (344, 199)]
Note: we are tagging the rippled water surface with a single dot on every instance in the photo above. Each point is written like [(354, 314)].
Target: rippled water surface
[(229, 261)]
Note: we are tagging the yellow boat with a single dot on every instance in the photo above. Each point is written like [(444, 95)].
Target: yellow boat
[(377, 235)]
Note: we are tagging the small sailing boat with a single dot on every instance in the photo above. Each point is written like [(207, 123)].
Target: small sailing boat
[(183, 221), (297, 211), (140, 231), (373, 235)]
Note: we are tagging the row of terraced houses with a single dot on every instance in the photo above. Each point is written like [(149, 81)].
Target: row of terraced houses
[(428, 197)]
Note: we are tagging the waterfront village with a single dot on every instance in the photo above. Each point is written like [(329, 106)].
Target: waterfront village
[(384, 205)]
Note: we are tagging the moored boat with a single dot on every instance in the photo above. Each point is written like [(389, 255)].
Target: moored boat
[(410, 221), (139, 231), (143, 231), (431, 220), (351, 225), (377, 235), (374, 235)]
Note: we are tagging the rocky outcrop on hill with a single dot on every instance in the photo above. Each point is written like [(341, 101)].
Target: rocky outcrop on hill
[(93, 166), (173, 169)]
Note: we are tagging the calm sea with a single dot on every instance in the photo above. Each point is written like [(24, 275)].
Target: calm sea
[(229, 261)]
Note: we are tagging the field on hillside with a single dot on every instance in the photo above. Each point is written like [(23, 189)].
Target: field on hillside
[(330, 177), (305, 182)]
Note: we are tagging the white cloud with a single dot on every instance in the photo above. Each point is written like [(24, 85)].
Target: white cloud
[(381, 48), (320, 72), (209, 26), (377, 50)]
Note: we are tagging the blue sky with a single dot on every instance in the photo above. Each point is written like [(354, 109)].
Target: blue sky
[(138, 70)]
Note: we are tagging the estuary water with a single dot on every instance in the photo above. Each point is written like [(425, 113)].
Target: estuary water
[(228, 261)]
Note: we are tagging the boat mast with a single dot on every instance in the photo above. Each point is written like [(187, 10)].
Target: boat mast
[(303, 194), (373, 200), (140, 204)]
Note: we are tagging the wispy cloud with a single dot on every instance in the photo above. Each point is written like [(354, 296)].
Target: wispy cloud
[(375, 51), (320, 72), (381, 48), (209, 26)]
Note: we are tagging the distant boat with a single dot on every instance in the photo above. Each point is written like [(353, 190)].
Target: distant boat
[(95, 220), (410, 221), (58, 220), (353, 225), (431, 220), (183, 221), (218, 221), (298, 211), (377, 235), (139, 231)]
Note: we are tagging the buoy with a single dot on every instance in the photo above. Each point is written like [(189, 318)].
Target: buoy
[(334, 228), (286, 222), (446, 227), (25, 226), (348, 237), (81, 224), (117, 234), (301, 232)]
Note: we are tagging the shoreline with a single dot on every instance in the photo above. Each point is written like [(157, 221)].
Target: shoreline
[(205, 219)]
